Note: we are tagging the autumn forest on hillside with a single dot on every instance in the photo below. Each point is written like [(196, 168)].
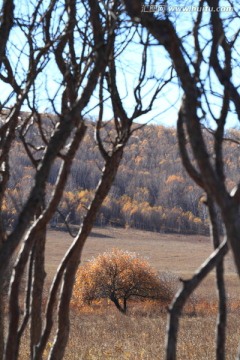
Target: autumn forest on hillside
[(151, 192)]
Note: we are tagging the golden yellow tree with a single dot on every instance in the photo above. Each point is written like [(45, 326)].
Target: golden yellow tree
[(119, 275)]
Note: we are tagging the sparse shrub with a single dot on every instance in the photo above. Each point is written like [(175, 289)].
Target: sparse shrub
[(119, 276)]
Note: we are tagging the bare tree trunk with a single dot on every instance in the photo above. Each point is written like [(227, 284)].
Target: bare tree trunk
[(125, 305), (37, 289), (6, 24), (118, 305), (181, 297), (15, 331), (4, 287), (222, 307), (230, 215), (7, 21), (83, 45), (72, 259), (2, 306), (206, 166), (116, 302)]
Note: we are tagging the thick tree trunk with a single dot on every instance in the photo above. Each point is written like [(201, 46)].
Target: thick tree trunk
[(222, 307), (181, 297), (1, 323), (70, 264), (118, 305), (37, 289), (125, 305), (231, 216)]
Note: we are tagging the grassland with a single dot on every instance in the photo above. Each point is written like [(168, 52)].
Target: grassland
[(178, 254), (100, 332)]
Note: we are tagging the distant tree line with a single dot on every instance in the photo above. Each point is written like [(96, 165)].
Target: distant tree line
[(151, 190)]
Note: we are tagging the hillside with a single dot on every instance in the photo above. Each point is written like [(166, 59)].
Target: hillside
[(152, 190)]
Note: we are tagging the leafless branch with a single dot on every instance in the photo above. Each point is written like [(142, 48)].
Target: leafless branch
[(181, 297)]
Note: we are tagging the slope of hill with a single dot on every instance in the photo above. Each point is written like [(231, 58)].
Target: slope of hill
[(152, 190)]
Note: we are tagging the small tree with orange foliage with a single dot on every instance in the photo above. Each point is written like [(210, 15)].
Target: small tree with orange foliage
[(119, 276)]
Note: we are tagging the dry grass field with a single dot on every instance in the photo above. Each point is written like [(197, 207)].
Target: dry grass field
[(100, 332), (178, 254)]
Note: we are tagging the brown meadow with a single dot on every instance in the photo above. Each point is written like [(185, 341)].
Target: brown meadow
[(100, 332)]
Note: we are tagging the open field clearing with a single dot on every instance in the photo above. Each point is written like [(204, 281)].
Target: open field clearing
[(181, 254), (101, 332), (142, 338), (178, 254), (109, 335)]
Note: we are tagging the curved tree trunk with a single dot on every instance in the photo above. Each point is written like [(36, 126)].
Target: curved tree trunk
[(122, 309), (220, 284), (1, 323), (183, 295), (125, 305), (37, 289)]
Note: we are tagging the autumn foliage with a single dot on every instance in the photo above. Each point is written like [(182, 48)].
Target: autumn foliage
[(151, 190), (119, 276)]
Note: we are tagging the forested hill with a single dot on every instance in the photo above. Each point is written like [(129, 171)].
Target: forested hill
[(152, 191)]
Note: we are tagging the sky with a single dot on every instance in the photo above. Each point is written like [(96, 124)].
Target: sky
[(167, 104), (165, 109)]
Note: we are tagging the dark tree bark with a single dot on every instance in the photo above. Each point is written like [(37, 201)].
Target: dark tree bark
[(37, 291), (116, 302), (220, 284), (205, 166), (7, 22), (183, 295), (80, 43)]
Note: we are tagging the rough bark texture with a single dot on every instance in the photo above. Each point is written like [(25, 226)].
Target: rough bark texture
[(71, 262), (220, 284), (37, 289), (207, 167), (211, 176), (181, 297)]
